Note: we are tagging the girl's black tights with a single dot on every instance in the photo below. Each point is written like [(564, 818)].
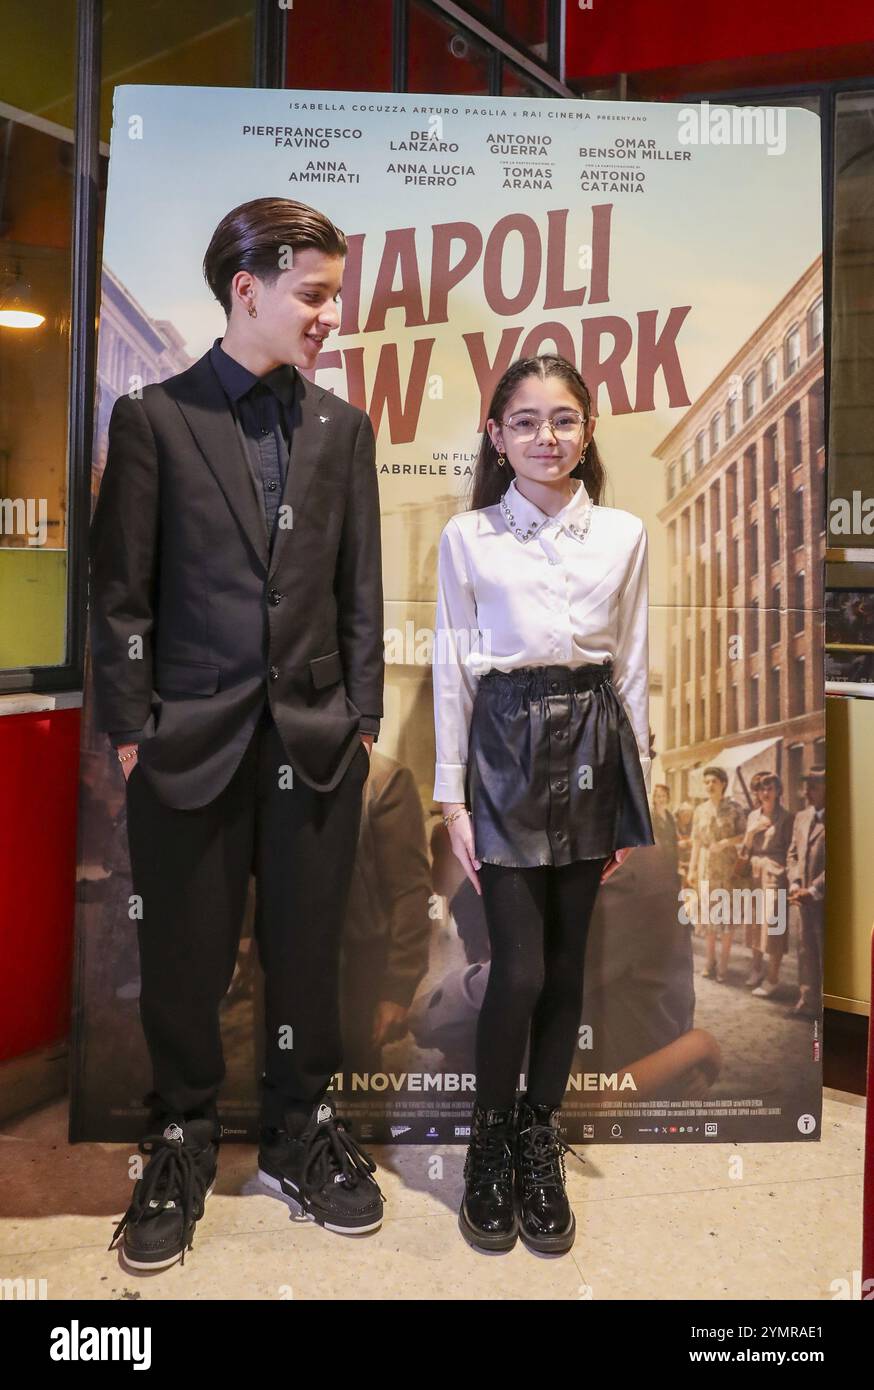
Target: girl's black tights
[(538, 924)]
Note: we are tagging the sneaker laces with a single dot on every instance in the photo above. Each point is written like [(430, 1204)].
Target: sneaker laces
[(332, 1149), (171, 1173), (543, 1151)]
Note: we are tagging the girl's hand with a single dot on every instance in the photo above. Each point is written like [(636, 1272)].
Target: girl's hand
[(461, 840), (618, 857), (129, 764)]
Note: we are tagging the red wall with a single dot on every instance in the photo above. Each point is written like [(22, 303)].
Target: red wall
[(632, 35), (638, 35), (39, 773), (357, 60)]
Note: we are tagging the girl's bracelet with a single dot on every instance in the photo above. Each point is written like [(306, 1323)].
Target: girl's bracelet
[(453, 815)]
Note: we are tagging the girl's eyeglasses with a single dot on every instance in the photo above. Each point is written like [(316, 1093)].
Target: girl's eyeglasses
[(565, 424)]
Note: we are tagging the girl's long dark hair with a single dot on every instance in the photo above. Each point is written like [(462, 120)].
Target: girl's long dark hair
[(490, 481)]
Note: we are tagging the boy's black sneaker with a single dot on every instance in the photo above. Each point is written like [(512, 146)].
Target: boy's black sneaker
[(169, 1199), (317, 1166)]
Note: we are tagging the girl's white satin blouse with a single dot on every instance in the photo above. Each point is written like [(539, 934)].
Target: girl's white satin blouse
[(548, 593)]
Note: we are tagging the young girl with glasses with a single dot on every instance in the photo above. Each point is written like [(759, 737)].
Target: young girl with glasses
[(543, 766)]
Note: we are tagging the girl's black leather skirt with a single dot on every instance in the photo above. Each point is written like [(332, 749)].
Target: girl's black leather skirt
[(553, 772)]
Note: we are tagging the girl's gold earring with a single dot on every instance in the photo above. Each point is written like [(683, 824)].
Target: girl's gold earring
[(501, 458), (253, 312)]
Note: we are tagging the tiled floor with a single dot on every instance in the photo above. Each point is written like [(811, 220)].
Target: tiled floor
[(652, 1223)]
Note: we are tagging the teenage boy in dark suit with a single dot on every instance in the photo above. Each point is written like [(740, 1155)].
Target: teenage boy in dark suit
[(237, 656)]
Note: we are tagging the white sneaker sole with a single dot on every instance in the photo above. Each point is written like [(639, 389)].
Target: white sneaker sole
[(277, 1185), (157, 1264)]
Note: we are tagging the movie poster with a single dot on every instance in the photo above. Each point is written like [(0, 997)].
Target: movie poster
[(673, 253)]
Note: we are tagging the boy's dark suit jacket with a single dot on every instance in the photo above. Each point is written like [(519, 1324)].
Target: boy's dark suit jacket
[(180, 560)]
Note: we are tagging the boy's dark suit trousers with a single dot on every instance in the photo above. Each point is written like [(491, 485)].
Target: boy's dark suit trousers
[(190, 871)]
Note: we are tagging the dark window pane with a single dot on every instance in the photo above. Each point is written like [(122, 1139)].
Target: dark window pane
[(443, 57), (515, 83), (37, 56), (851, 451), (525, 22), (191, 43), (36, 81), (358, 59)]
